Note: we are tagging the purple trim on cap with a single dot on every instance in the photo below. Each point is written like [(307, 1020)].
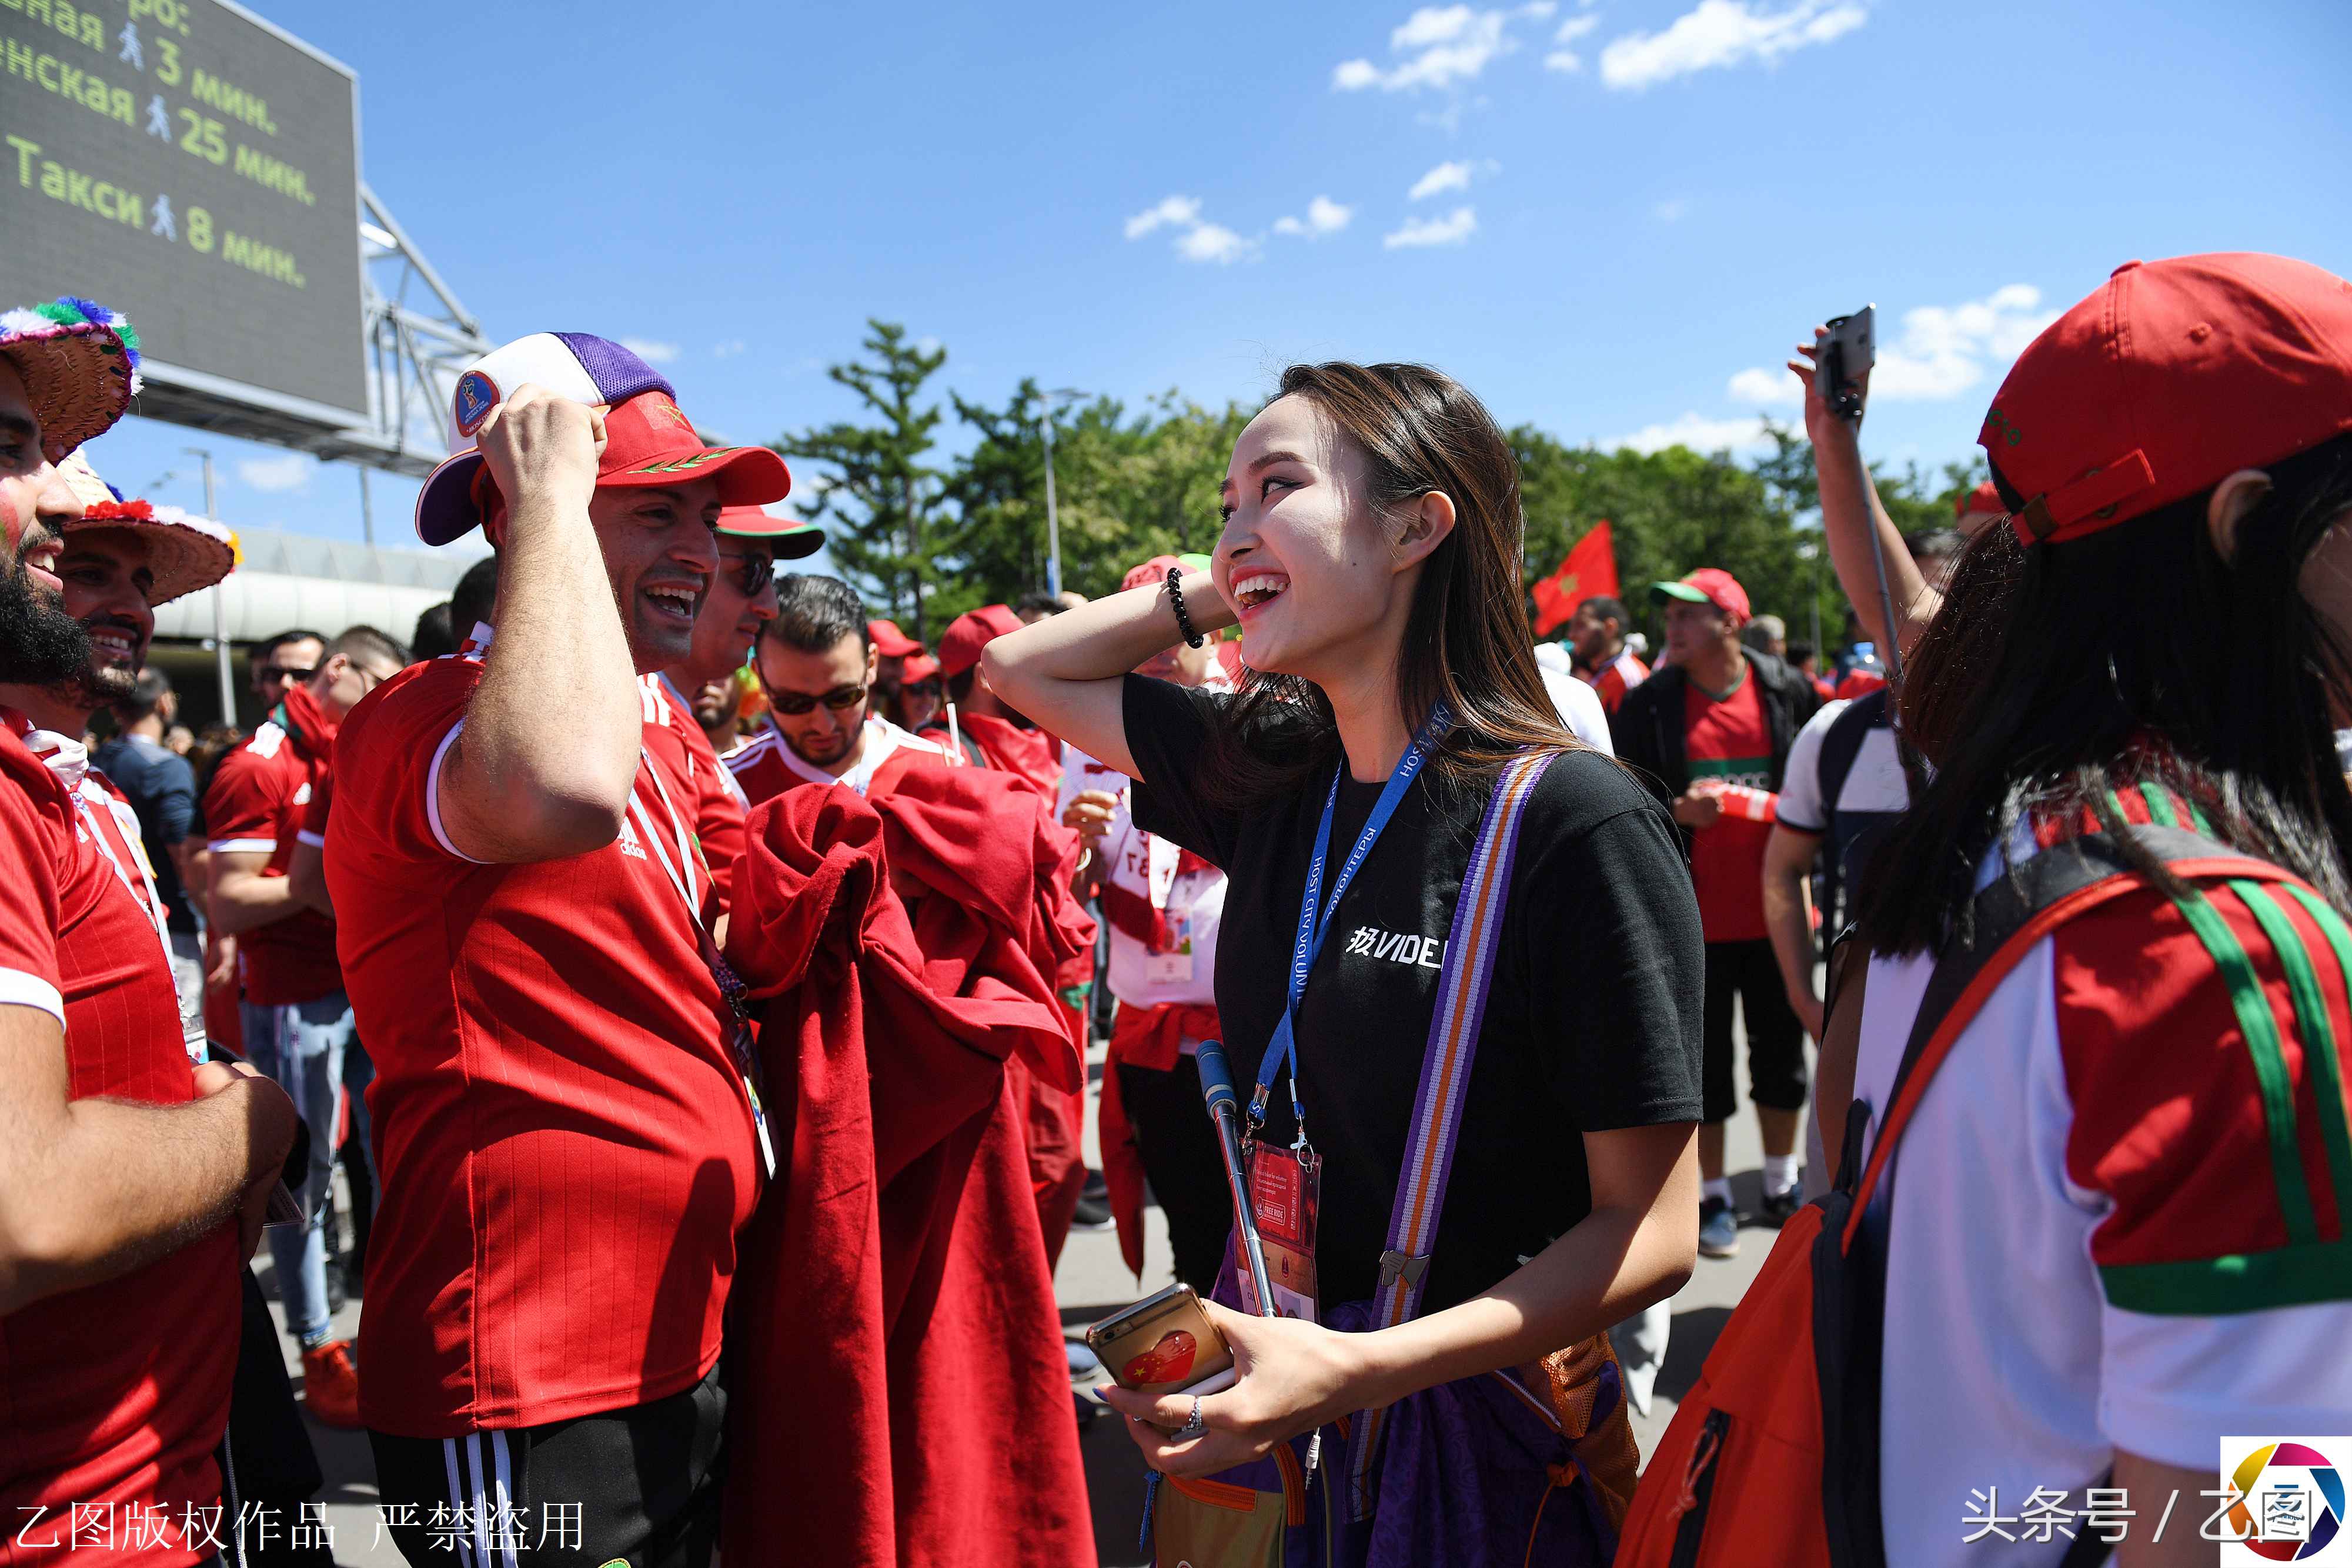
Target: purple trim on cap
[(445, 507), (619, 375)]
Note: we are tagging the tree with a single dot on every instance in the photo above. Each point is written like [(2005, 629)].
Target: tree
[(882, 497)]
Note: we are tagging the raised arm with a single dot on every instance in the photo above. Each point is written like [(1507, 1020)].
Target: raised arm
[(1066, 670), (515, 785), (1852, 511)]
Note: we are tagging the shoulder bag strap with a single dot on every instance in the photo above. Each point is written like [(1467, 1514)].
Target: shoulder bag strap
[(1464, 981)]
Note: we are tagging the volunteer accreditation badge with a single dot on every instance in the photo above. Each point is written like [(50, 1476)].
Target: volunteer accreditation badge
[(1287, 1194)]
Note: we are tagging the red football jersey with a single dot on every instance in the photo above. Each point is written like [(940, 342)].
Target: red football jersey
[(113, 1397), (254, 806), (1731, 742), (566, 1144), (675, 740), (1613, 680)]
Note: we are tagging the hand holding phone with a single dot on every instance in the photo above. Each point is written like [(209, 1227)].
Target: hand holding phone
[(1164, 1344), (1843, 356)]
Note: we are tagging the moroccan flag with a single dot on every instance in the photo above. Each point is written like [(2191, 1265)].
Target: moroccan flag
[(1589, 570)]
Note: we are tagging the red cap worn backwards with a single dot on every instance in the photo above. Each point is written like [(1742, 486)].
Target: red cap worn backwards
[(2171, 377), (968, 632)]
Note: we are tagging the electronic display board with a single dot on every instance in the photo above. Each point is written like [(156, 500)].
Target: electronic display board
[(188, 164)]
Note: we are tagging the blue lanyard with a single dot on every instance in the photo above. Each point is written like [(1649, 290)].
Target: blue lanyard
[(1315, 915)]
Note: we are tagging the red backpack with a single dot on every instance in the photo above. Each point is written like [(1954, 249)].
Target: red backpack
[(1772, 1457)]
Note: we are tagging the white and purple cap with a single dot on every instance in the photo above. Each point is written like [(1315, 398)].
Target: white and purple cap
[(647, 439)]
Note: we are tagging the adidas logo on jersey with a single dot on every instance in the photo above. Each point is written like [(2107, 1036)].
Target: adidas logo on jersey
[(630, 845)]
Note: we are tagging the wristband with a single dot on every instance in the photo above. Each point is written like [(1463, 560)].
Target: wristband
[(1176, 598)]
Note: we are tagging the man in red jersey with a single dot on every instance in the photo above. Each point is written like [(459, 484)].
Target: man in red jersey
[(568, 1127), (122, 1165), (740, 600), (118, 560), (1597, 634), (819, 667), (297, 1016)]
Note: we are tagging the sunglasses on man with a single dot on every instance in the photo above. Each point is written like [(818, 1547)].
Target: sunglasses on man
[(839, 699), (751, 572)]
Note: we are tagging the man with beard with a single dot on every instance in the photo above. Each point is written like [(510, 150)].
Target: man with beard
[(132, 1182), (1597, 634), (740, 600), (817, 661), (566, 1107), (120, 560)]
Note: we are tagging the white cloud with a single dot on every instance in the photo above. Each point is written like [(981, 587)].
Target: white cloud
[(1214, 242), (1182, 211), (1454, 176), (652, 352), (1946, 350), (727, 350), (1670, 212), (1766, 388), (1442, 46), (1696, 432), (1454, 228), (1724, 33), (292, 472), (1324, 216), (1562, 58)]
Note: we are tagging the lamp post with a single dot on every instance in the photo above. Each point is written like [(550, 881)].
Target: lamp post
[(220, 600), (1052, 515)]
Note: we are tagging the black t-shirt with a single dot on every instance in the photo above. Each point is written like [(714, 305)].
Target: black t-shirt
[(1592, 1022)]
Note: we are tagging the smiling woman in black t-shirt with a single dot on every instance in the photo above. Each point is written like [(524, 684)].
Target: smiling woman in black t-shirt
[(1372, 545)]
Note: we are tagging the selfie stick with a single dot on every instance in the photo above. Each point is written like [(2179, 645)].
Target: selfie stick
[(1225, 1111)]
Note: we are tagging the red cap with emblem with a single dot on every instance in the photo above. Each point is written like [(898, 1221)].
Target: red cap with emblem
[(2171, 377)]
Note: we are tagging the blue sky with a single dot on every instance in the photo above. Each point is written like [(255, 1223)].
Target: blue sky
[(1627, 211)]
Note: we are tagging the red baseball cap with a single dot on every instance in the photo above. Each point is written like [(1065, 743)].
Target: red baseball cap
[(1707, 585), (787, 537), (648, 440), (1985, 498), (968, 634), (889, 642), (919, 668), (2169, 379)]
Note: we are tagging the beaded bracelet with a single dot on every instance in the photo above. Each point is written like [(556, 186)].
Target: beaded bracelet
[(1176, 597)]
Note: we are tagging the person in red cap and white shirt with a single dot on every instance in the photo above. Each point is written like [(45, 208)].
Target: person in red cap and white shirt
[(1163, 905), (2117, 1233), (817, 665), (1721, 714), (740, 600), (119, 560), (568, 1125), (977, 725), (133, 1182)]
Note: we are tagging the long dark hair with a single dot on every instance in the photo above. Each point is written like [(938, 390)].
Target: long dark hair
[(2056, 676), (1465, 639)]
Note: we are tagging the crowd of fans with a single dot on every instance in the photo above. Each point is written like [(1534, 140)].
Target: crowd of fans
[(694, 976)]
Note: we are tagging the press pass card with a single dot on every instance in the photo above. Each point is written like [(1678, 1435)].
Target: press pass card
[(1287, 1194)]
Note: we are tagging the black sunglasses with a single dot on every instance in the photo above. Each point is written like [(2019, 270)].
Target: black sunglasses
[(798, 703), (750, 573)]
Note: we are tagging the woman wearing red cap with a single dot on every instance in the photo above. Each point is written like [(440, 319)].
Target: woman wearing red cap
[(1494, 1185), (2120, 1230)]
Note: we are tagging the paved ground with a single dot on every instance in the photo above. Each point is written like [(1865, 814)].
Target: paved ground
[(1091, 1281)]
